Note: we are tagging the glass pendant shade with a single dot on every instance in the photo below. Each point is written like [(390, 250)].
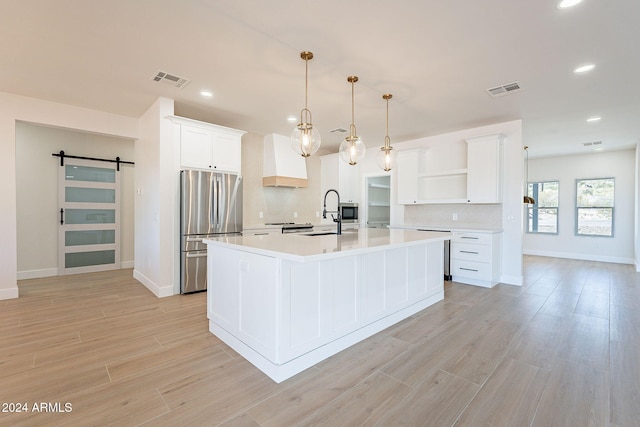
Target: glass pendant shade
[(352, 149), (305, 138), (386, 158)]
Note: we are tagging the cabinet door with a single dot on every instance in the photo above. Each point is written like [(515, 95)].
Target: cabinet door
[(348, 181), (196, 147), (227, 153), (407, 177), (484, 169)]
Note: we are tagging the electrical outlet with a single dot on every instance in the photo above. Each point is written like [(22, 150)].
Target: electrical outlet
[(260, 215), (295, 214), (455, 217)]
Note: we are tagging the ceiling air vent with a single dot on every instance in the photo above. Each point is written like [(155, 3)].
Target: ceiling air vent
[(504, 89), (170, 79), (589, 144), (338, 130)]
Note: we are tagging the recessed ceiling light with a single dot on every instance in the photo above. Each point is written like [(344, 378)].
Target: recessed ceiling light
[(206, 93), (565, 4), (584, 68), (292, 119), (594, 119)]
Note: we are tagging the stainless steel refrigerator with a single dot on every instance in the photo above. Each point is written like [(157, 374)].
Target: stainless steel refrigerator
[(210, 205)]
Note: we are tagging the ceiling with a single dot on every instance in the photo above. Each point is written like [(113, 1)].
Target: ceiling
[(437, 58)]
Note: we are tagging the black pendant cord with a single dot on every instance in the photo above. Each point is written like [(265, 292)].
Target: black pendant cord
[(117, 160)]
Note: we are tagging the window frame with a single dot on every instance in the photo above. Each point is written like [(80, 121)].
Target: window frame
[(533, 209), (578, 208)]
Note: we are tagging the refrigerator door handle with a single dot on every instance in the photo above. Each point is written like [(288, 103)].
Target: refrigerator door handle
[(219, 208), (212, 192), (196, 255), (223, 205)]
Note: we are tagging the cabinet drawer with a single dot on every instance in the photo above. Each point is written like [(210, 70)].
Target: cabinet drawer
[(477, 238), (471, 252), (470, 269)]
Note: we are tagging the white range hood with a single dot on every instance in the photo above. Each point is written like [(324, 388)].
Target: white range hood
[(282, 167)]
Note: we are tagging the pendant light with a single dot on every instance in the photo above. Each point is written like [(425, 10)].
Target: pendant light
[(305, 138), (352, 148), (386, 157), (527, 200)]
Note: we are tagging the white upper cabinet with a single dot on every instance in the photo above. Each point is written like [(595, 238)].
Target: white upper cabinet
[(461, 171), (340, 176), (484, 169), (208, 146), (407, 176)]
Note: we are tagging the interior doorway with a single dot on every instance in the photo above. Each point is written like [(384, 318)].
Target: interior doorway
[(38, 199), (378, 200)]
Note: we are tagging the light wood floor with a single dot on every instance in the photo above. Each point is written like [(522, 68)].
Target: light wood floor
[(563, 350)]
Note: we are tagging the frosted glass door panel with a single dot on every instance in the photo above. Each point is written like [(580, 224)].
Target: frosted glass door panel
[(90, 195), (89, 237), (89, 173), (86, 259), (89, 217)]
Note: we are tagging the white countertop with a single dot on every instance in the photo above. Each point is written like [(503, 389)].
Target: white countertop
[(446, 228), (251, 227), (301, 248)]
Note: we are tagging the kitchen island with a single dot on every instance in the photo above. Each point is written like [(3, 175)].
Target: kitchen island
[(287, 302)]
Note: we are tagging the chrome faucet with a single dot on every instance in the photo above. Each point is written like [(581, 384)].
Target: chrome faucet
[(337, 220)]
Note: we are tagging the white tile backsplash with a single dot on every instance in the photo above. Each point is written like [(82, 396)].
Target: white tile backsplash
[(469, 216)]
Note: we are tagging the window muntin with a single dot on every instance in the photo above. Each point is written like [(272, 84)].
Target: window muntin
[(542, 217), (594, 207)]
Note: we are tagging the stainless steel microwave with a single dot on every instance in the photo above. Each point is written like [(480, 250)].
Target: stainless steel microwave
[(349, 212)]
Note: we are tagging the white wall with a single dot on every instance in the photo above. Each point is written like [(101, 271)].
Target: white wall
[(19, 108), (157, 157), (620, 165), (37, 192)]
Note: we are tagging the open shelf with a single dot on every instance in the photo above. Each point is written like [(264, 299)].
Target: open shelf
[(383, 186), (450, 172)]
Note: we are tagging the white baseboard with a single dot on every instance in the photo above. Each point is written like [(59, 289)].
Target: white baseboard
[(584, 257), (9, 293), (512, 280), (51, 272), (36, 274), (158, 291)]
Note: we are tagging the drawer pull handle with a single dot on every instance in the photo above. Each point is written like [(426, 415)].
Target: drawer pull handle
[(470, 252), (260, 234), (471, 238), (468, 269)]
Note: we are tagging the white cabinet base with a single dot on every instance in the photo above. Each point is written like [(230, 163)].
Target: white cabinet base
[(285, 316), (475, 258), (279, 373)]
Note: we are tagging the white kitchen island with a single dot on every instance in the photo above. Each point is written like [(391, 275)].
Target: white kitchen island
[(287, 302)]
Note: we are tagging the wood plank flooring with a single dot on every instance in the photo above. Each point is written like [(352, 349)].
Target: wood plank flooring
[(562, 350)]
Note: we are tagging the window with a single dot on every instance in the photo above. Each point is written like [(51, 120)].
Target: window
[(594, 207), (543, 216)]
